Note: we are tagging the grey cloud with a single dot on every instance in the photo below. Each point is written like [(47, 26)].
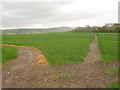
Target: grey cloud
[(17, 14), (119, 11)]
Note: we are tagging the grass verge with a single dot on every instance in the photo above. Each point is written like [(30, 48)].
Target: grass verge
[(112, 70), (63, 77), (114, 85), (8, 53)]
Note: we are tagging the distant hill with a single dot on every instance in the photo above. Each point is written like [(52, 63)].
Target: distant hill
[(29, 30)]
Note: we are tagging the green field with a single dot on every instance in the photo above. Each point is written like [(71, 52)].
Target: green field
[(108, 44), (66, 48), (8, 53), (114, 85), (58, 48)]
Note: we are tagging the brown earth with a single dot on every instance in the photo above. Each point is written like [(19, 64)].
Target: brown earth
[(26, 72)]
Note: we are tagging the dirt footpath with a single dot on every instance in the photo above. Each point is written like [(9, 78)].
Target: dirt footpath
[(23, 72)]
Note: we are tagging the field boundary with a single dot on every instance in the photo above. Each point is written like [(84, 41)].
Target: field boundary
[(41, 58)]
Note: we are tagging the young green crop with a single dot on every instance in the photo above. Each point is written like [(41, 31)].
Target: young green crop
[(8, 53), (113, 70), (58, 48), (108, 44), (114, 85)]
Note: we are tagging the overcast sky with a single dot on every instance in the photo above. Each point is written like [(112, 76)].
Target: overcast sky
[(55, 13)]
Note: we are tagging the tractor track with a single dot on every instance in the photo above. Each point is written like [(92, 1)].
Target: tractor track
[(28, 72)]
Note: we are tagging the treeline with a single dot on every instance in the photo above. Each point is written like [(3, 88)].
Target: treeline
[(109, 28)]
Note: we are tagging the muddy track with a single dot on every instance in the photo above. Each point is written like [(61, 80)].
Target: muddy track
[(92, 72), (23, 72), (93, 54)]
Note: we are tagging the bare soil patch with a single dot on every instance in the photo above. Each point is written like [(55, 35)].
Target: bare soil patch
[(23, 72)]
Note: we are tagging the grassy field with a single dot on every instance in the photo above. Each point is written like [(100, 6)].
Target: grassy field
[(113, 70), (8, 53), (58, 48), (108, 44), (114, 85), (65, 48)]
